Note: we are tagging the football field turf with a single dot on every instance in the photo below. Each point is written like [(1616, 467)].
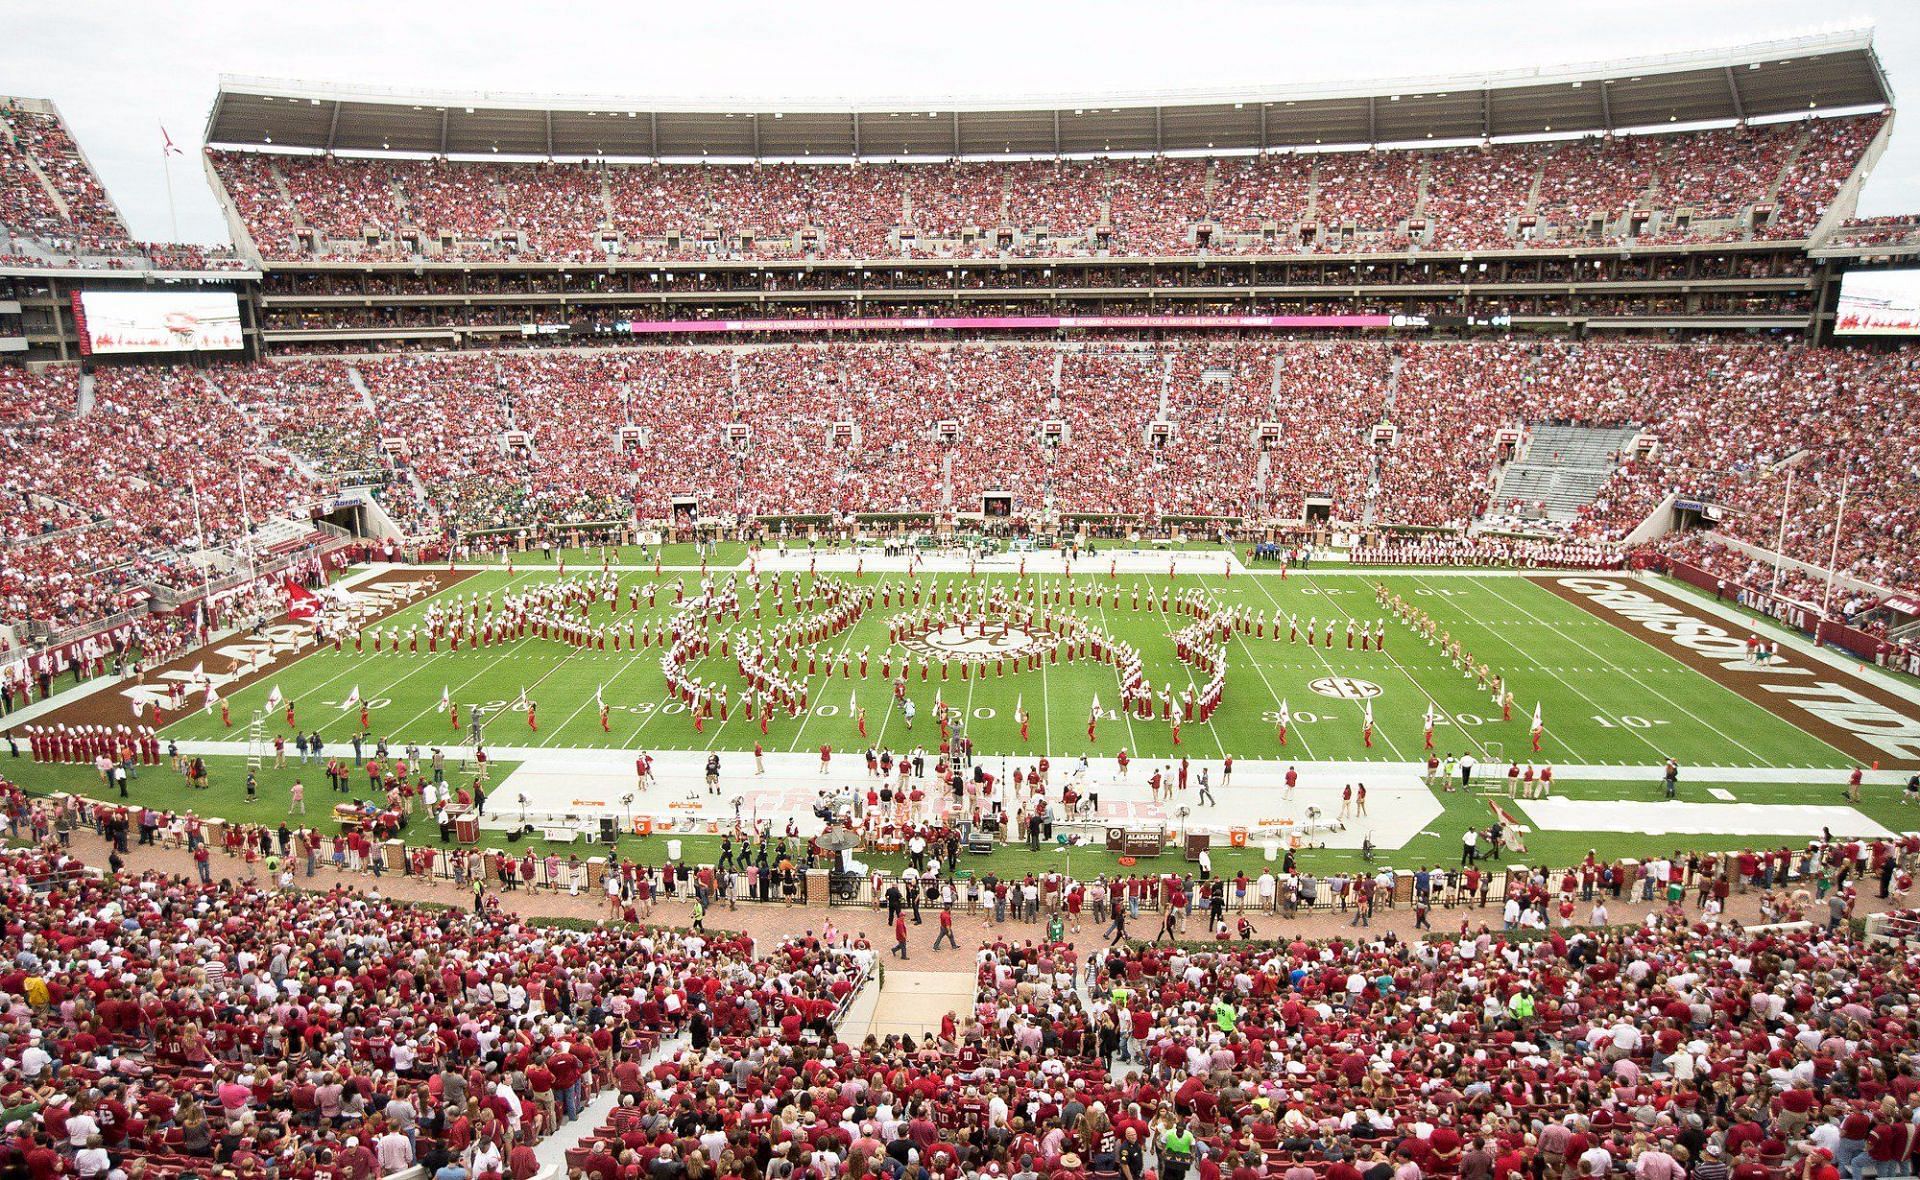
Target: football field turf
[(1606, 695)]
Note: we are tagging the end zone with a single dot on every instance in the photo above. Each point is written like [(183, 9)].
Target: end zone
[(1853, 714)]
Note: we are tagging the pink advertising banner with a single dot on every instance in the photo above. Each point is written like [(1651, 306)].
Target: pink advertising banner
[(970, 323)]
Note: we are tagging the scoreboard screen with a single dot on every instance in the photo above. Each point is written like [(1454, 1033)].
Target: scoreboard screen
[(158, 321)]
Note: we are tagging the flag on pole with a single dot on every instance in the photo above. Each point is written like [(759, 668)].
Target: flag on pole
[(1539, 726), (1286, 719), (167, 146), (446, 698), (273, 698), (353, 697), (1366, 735), (1093, 718), (302, 603)]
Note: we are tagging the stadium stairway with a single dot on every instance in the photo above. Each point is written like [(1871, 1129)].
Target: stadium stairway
[(1561, 469), (85, 404), (552, 1151), (359, 384)]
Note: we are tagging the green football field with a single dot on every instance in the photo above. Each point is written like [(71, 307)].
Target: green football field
[(1606, 696)]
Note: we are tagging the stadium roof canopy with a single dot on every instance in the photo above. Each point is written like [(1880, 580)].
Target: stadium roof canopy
[(1773, 78)]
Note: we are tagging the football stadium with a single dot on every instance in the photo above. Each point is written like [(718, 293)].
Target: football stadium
[(1357, 630)]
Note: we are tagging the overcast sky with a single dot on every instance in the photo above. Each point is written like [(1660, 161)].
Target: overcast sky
[(119, 70)]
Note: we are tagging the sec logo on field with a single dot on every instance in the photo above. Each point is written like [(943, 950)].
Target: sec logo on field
[(1345, 688)]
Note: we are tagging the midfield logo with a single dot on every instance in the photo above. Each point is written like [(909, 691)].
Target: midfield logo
[(1345, 688), (983, 638)]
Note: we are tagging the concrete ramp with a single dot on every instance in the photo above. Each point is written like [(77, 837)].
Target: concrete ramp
[(914, 1001)]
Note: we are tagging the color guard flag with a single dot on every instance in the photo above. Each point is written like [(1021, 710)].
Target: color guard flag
[(1093, 718), (1429, 727), (353, 698), (1539, 727), (446, 698), (301, 602), (1286, 719), (273, 698)]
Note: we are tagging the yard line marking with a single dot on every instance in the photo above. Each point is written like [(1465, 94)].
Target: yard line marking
[(1393, 657), (1261, 673), (1126, 714), (817, 697), (1571, 748), (1328, 665), (1685, 712), (1173, 636), (390, 685), (1046, 706), (556, 730)]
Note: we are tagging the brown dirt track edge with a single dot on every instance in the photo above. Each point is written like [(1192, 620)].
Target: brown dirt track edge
[(290, 640), (1854, 714)]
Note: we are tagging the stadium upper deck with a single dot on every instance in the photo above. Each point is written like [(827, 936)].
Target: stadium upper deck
[(1555, 158)]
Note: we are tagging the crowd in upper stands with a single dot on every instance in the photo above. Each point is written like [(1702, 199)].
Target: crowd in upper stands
[(55, 212), (1763, 181), (47, 189)]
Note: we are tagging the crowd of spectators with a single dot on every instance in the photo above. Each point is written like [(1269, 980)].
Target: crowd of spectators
[(97, 506), (155, 1026), (47, 190), (1382, 434), (1772, 180), (1684, 1048), (1900, 230)]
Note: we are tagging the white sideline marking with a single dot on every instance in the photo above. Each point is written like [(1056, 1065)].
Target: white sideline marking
[(1559, 814)]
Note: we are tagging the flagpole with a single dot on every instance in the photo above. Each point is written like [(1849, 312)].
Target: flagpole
[(1780, 546), (246, 518), (1833, 561), (166, 170), (200, 536)]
